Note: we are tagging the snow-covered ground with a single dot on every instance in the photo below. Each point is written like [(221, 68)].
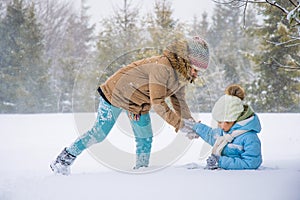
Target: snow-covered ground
[(30, 142)]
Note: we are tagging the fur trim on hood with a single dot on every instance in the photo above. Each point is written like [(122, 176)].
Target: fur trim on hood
[(177, 54)]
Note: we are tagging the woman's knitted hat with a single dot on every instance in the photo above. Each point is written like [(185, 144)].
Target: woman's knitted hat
[(227, 109), (198, 52), (195, 50)]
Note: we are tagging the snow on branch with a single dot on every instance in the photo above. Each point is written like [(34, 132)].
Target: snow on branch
[(295, 66), (286, 44), (292, 15)]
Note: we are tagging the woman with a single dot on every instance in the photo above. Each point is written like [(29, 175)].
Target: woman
[(137, 88)]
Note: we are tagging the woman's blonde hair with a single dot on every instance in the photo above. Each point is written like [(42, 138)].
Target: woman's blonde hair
[(177, 54)]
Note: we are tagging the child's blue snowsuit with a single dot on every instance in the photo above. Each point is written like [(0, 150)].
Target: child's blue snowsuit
[(106, 118), (244, 152)]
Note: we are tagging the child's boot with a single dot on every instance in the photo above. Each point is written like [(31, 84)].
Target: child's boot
[(62, 163)]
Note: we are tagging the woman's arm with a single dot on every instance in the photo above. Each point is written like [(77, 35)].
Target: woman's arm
[(179, 104), (158, 92)]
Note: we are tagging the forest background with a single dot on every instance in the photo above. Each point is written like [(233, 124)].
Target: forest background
[(52, 58)]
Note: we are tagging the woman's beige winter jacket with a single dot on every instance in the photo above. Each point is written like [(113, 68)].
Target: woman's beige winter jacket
[(146, 84)]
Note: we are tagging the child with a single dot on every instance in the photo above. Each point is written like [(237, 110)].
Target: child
[(235, 142)]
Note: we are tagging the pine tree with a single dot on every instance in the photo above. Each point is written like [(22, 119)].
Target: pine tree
[(36, 75), (119, 34), (228, 63), (161, 25), (84, 83), (200, 27), (68, 40), (23, 84), (224, 38), (277, 86), (199, 96), (55, 16)]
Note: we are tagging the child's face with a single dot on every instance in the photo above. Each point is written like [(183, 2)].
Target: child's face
[(225, 126)]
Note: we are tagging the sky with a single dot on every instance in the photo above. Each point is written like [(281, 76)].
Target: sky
[(184, 10)]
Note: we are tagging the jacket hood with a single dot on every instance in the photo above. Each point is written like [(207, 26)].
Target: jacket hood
[(249, 124), (247, 112), (180, 65)]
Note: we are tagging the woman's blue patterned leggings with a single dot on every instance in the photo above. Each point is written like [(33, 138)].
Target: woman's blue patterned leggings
[(106, 118)]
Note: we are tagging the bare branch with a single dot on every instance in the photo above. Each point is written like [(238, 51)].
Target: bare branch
[(282, 43), (220, 2), (274, 3), (291, 15), (285, 67), (293, 45), (292, 2), (238, 1), (244, 18)]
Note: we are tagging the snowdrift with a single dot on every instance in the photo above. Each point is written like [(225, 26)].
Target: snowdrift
[(30, 142)]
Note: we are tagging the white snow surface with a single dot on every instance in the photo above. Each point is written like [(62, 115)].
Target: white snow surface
[(30, 142)]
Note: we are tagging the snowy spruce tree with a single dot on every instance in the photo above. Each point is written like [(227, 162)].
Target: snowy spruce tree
[(119, 34), (76, 58), (24, 81), (68, 37), (201, 27), (199, 95), (277, 86), (228, 62), (161, 26)]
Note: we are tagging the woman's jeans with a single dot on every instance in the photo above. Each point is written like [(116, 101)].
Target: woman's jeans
[(106, 118)]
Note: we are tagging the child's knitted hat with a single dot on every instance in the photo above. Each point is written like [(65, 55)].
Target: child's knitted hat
[(227, 109)]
